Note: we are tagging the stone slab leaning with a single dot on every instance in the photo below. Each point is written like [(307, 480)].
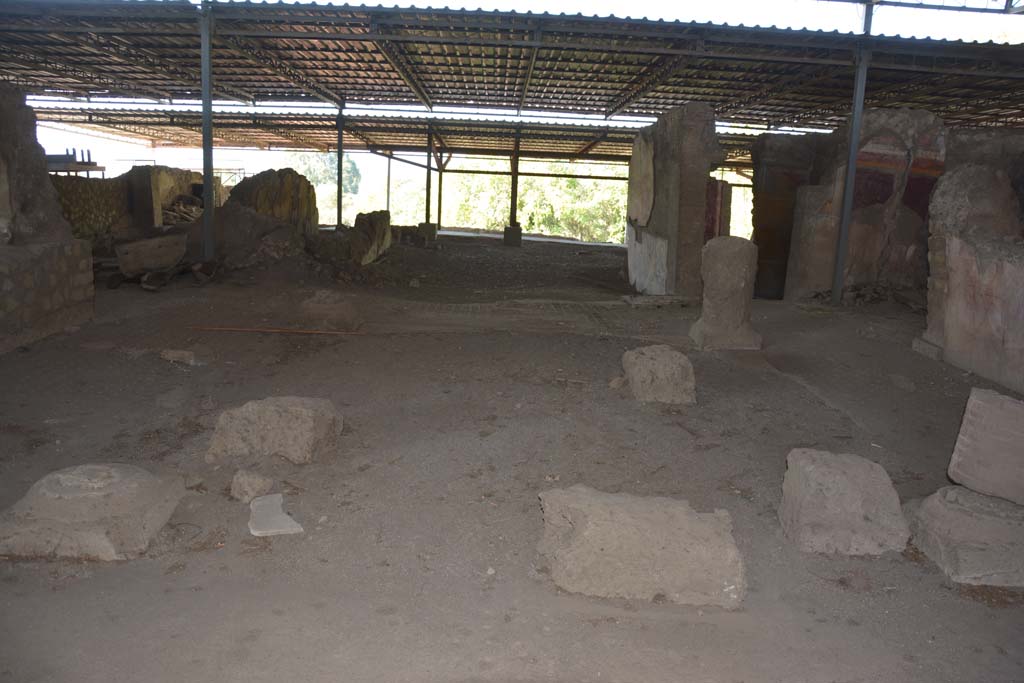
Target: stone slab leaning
[(840, 503), (989, 452)]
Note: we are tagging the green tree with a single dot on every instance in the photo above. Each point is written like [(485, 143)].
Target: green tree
[(321, 168)]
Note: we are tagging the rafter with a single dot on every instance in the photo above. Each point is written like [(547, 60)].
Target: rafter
[(184, 75), (529, 70), (653, 76), (31, 60), (252, 51), (395, 55), (593, 143)]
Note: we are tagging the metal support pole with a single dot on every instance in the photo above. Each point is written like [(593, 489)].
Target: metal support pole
[(206, 69), (430, 149), (846, 217), (440, 193), (341, 162), (514, 204), (389, 185)]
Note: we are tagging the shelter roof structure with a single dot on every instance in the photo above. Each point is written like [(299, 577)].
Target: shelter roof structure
[(302, 52)]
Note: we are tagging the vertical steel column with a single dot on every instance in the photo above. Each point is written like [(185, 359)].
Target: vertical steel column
[(389, 184), (512, 217), (430, 149), (846, 217), (440, 192), (341, 160), (206, 71)]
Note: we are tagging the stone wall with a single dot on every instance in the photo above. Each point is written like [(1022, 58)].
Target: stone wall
[(902, 153), (129, 207), (45, 275), (44, 288), (976, 256), (718, 215), (668, 179)]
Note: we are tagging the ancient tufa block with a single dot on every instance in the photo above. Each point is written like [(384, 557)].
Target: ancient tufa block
[(989, 452), (840, 503), (94, 512), (295, 428), (660, 374), (371, 237), (728, 267), (975, 539), (284, 194), (248, 484), (616, 545)]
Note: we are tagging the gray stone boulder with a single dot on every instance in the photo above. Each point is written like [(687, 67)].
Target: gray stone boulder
[(295, 428), (840, 503), (616, 545), (371, 237), (728, 267), (989, 453), (91, 512), (660, 374), (975, 539)]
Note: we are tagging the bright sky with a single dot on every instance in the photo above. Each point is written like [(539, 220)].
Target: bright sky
[(811, 14)]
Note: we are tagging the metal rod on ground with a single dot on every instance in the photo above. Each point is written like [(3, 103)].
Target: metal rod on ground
[(206, 69), (430, 147), (341, 160), (272, 330), (859, 86)]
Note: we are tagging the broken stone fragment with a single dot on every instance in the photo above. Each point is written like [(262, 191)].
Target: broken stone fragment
[(247, 484), (266, 518), (295, 428), (975, 539), (90, 512), (616, 545), (728, 267), (659, 374), (179, 356), (840, 503), (332, 309), (989, 452)]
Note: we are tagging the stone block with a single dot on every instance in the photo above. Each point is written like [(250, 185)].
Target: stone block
[(660, 374), (295, 428), (247, 484), (616, 545), (728, 267), (371, 237), (840, 503), (975, 539), (267, 518), (94, 512), (512, 236), (283, 194), (989, 452)]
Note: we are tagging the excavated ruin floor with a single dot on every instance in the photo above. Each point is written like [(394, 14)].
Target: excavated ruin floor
[(463, 399)]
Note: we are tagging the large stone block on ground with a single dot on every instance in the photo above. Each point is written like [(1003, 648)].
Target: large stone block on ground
[(371, 237), (616, 545), (283, 194), (295, 428), (974, 538), (93, 512), (989, 453), (728, 267), (840, 503), (660, 374)]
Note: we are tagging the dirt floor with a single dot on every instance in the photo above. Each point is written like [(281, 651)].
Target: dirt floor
[(464, 398)]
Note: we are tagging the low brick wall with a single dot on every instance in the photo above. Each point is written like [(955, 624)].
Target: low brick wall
[(44, 288)]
